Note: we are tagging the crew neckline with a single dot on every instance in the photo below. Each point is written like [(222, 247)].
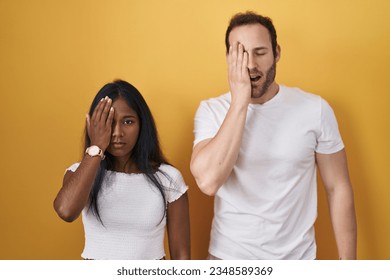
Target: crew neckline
[(124, 173), (274, 100)]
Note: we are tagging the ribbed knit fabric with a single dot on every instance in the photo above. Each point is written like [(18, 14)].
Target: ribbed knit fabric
[(132, 212)]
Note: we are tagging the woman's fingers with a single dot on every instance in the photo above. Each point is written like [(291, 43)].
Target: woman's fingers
[(99, 125), (96, 114), (88, 124), (102, 110), (106, 110), (110, 117)]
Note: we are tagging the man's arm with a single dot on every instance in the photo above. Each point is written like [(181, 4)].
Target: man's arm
[(213, 159), (334, 173)]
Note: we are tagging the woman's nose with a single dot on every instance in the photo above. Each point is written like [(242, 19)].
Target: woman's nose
[(116, 130)]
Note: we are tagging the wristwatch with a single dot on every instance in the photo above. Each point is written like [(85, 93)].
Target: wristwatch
[(94, 151)]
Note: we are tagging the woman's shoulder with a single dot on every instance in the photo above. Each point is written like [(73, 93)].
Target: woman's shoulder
[(173, 181), (169, 169), (73, 167), (172, 174)]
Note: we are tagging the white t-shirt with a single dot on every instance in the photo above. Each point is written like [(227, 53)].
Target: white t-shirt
[(131, 208), (267, 207)]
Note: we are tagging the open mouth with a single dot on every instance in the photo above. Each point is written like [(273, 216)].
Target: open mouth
[(255, 78)]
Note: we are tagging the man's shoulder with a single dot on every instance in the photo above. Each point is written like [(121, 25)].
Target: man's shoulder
[(218, 102), (300, 95), (298, 92), (218, 99)]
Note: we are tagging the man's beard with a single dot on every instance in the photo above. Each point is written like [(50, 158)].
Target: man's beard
[(269, 79)]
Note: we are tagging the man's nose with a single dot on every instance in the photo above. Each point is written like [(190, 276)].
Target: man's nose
[(251, 62)]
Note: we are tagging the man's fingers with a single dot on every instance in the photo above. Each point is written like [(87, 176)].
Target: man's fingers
[(229, 55), (244, 69), (238, 60), (240, 54), (232, 57)]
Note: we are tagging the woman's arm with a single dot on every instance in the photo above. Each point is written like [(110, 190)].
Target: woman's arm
[(178, 226), (76, 186), (74, 194)]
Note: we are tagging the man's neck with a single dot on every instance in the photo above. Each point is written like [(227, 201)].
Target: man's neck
[(271, 92)]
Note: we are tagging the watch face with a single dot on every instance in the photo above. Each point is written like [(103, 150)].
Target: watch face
[(93, 150)]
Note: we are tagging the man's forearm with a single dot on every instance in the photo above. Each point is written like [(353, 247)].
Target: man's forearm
[(212, 163), (344, 222)]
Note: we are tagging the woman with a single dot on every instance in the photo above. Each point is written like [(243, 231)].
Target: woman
[(125, 189)]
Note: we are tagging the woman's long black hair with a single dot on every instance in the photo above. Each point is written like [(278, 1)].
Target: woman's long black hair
[(146, 153)]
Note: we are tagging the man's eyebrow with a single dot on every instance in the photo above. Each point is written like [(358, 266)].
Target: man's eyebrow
[(260, 48)]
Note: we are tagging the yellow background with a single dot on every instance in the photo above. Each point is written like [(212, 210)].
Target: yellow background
[(55, 56)]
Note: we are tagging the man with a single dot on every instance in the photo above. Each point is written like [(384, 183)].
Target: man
[(256, 149)]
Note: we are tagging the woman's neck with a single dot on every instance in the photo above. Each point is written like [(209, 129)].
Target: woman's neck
[(125, 166)]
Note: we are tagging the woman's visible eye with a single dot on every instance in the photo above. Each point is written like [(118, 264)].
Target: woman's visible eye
[(128, 121)]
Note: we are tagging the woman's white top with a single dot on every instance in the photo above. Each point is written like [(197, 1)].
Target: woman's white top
[(132, 210)]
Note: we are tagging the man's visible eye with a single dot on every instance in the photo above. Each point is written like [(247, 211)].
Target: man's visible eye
[(260, 53)]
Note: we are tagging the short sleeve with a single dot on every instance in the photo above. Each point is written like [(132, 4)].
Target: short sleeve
[(204, 127), (73, 167), (174, 183), (329, 140)]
